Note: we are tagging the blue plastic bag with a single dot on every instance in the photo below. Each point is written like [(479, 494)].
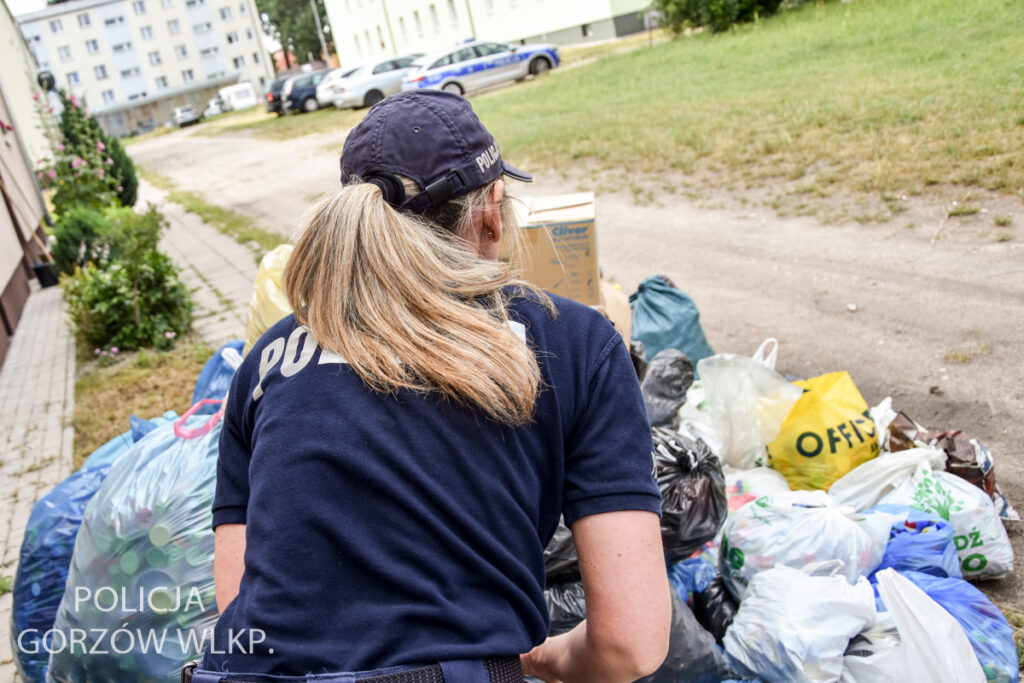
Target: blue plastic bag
[(990, 634), (143, 562), (43, 567), (665, 317), (691, 576), (918, 542), (215, 378), (113, 449)]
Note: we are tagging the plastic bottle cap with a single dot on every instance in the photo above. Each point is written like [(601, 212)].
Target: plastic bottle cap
[(155, 557), (160, 535), (129, 562)]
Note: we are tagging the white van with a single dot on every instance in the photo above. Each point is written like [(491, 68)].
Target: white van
[(239, 96)]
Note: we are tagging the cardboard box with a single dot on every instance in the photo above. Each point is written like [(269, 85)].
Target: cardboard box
[(560, 245)]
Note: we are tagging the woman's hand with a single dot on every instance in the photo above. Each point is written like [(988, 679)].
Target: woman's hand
[(542, 661)]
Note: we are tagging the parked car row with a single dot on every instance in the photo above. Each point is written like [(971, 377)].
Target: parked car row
[(462, 69)]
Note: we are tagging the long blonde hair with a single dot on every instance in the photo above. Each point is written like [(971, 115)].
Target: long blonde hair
[(408, 303)]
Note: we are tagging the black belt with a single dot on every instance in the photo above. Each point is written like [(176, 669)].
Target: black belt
[(499, 670)]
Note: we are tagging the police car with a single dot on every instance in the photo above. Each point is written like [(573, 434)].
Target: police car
[(480, 64)]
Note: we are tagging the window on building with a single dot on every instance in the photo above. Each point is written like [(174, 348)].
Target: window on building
[(225, 13), (167, 4), (232, 37), (147, 32), (199, 29), (434, 22), (586, 30), (194, 3), (121, 47), (173, 26), (248, 34), (64, 52), (241, 8), (419, 24), (108, 96), (359, 48), (452, 14), (238, 62), (209, 52), (187, 75), (56, 26), (92, 46), (114, 21), (380, 38), (139, 6), (369, 45), (154, 58), (161, 81), (402, 29), (255, 57), (100, 72), (181, 51), (83, 20), (73, 78), (263, 82), (128, 73)]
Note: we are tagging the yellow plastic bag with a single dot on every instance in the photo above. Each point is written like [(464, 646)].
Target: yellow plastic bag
[(828, 432), (269, 302)]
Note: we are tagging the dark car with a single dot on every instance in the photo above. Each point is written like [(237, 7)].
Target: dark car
[(274, 105), (299, 92)]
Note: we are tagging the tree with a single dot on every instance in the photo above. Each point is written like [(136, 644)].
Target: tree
[(291, 23)]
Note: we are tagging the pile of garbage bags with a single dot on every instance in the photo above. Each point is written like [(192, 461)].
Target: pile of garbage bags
[(809, 536), (115, 576)]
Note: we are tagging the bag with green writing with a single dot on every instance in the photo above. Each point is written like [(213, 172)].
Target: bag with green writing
[(978, 533), (828, 432), (795, 529)]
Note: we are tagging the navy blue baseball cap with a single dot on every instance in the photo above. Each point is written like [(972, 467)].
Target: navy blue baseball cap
[(431, 136)]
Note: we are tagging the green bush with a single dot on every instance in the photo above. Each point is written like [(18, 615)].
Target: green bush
[(129, 304), (718, 15), (134, 298), (123, 171), (82, 235)]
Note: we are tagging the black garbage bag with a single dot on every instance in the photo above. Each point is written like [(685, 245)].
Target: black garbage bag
[(638, 353), (715, 608), (565, 605), (693, 500), (692, 657), (669, 376), (560, 561)]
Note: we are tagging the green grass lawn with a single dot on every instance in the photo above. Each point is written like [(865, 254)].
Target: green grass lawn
[(868, 96)]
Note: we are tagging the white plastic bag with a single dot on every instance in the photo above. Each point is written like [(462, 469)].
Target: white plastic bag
[(874, 654), (795, 627), (745, 402), (932, 643), (746, 486), (795, 529), (863, 486), (979, 535)]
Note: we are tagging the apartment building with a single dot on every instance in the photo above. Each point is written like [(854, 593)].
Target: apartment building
[(22, 209), (133, 61), (365, 29)]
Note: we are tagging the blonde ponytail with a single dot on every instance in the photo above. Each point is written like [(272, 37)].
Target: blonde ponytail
[(409, 306)]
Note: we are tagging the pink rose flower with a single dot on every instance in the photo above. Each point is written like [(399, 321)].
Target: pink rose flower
[(35, 96), (52, 173), (77, 162), (102, 173), (119, 188), (39, 175), (60, 146), (100, 146), (113, 349), (109, 160)]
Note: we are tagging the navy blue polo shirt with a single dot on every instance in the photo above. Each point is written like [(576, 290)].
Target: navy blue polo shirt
[(405, 530)]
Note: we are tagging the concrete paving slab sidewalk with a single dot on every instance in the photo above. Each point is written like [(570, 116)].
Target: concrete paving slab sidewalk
[(37, 398), (219, 269)]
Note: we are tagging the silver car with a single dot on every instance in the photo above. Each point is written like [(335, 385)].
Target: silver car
[(367, 84), (480, 64), (184, 116)]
